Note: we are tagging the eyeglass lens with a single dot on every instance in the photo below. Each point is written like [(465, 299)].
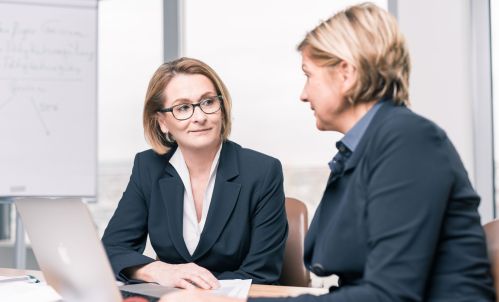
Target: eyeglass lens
[(208, 105)]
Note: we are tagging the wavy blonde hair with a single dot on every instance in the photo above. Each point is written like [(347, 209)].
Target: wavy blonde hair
[(368, 38), (155, 99)]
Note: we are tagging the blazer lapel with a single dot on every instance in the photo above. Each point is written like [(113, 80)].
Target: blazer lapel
[(225, 195), (332, 177), (373, 126), (172, 193)]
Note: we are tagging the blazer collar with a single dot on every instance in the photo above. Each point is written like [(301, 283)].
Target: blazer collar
[(172, 195), (224, 198), (385, 108)]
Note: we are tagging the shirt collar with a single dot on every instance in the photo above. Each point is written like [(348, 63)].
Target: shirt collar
[(178, 162), (353, 136)]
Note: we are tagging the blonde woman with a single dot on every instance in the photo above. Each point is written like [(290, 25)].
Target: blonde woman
[(212, 209), (398, 220)]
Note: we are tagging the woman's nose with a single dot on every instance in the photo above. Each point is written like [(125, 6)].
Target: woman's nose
[(198, 114), (303, 96)]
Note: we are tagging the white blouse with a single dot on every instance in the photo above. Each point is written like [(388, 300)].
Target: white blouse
[(191, 228)]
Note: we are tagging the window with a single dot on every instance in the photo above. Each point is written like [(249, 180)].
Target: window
[(130, 50)]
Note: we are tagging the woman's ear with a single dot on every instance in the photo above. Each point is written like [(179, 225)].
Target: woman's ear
[(348, 75), (162, 123)]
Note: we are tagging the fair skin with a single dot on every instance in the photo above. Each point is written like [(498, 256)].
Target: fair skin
[(324, 90), (199, 140)]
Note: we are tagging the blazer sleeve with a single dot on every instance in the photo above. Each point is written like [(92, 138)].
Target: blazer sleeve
[(407, 184), (269, 229), (126, 234)]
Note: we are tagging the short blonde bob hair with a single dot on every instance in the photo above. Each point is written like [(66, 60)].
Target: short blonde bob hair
[(368, 38), (155, 99)]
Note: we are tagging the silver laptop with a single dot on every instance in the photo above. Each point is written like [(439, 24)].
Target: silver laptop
[(68, 250)]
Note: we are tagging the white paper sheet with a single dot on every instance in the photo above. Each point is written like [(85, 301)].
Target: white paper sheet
[(27, 292), (21, 278), (236, 288)]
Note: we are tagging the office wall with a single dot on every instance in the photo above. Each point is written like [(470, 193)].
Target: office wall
[(130, 50), (252, 44), (446, 83), (439, 35)]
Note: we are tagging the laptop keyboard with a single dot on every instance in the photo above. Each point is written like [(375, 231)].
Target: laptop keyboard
[(126, 294)]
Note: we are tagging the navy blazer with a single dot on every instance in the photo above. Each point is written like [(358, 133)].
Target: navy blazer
[(245, 231), (401, 222)]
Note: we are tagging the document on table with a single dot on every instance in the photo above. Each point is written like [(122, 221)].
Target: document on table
[(21, 278), (23, 289), (236, 288)]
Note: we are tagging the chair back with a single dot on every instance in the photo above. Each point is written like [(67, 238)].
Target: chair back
[(492, 236), (294, 272)]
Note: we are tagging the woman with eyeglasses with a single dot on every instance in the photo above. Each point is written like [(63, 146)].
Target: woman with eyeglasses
[(398, 220), (212, 209)]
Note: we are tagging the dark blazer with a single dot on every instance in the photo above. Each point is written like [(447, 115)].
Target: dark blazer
[(401, 222), (245, 230)]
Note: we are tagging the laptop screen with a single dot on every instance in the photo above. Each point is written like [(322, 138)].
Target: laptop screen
[(68, 250)]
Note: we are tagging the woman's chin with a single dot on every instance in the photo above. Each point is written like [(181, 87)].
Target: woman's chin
[(200, 143)]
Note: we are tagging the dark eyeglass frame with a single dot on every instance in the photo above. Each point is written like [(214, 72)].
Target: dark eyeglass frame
[(218, 98)]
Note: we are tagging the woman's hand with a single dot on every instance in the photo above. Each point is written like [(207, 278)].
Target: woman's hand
[(196, 296), (189, 275)]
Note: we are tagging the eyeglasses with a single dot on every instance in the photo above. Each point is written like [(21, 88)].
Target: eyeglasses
[(208, 105)]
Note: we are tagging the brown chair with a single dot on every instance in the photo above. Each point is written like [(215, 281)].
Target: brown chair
[(294, 272), (492, 236)]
